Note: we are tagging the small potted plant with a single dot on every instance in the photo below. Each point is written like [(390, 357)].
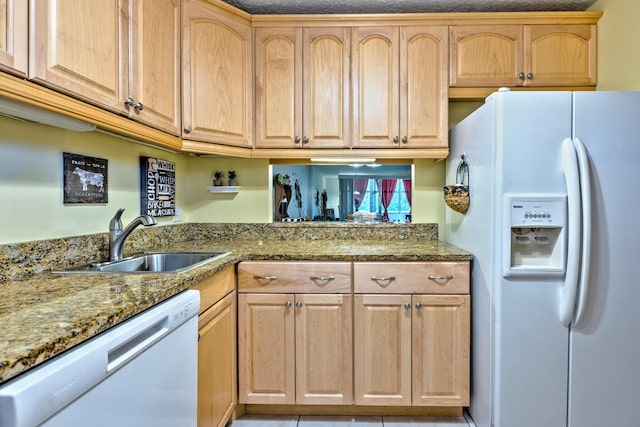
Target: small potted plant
[(217, 178), (232, 178)]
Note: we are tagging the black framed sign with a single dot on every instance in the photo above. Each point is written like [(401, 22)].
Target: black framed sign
[(85, 179), (157, 187)]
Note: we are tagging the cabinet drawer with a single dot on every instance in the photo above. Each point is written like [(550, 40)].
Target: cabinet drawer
[(411, 277), (214, 288), (287, 277)]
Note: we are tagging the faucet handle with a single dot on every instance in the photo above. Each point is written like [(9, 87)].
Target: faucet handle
[(116, 222)]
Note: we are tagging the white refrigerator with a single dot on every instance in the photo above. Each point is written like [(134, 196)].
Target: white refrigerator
[(553, 226)]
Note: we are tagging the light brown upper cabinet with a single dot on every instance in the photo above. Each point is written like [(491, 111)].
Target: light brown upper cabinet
[(154, 79), (400, 87), (79, 47), (302, 87), (217, 77), (118, 54), (523, 55), (13, 36)]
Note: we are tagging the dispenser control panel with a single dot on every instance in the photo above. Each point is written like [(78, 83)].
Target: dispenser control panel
[(537, 212), (534, 235)]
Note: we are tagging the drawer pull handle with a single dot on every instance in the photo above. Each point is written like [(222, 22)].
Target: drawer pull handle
[(323, 278), (383, 279), (447, 277), (258, 277)]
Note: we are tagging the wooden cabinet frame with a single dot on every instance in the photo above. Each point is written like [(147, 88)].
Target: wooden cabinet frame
[(302, 87), (217, 77), (523, 55), (13, 40), (295, 333), (400, 87)]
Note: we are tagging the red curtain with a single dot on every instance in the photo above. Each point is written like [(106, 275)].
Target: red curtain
[(359, 188), (388, 188), (407, 191)]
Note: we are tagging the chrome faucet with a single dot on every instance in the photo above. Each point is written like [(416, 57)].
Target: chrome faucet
[(117, 235)]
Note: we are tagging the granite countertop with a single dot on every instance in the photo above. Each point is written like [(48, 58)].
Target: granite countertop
[(46, 314)]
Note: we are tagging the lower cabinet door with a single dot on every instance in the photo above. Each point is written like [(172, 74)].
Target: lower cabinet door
[(441, 350), (324, 363), (217, 380), (382, 349), (266, 348)]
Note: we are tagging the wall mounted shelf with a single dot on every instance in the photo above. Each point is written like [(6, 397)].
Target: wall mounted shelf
[(224, 189)]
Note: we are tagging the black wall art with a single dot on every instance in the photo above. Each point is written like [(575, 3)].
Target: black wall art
[(85, 179), (157, 187)]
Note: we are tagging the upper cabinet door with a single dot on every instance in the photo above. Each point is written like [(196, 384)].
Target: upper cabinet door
[(486, 55), (424, 87), (376, 77), (326, 87), (13, 36), (560, 55), (154, 81), (80, 47), (217, 75), (278, 56)]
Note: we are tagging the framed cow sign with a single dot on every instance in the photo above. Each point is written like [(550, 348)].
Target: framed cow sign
[(85, 179)]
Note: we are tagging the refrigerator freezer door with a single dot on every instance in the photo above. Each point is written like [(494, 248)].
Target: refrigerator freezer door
[(604, 347), (520, 348)]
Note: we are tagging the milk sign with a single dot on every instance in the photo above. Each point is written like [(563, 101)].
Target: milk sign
[(157, 187)]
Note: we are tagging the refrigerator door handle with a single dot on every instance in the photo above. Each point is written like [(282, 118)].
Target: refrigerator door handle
[(585, 192), (572, 177)]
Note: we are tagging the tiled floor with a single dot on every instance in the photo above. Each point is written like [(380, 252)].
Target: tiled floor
[(345, 421)]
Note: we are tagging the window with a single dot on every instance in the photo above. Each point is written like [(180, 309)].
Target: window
[(372, 200)]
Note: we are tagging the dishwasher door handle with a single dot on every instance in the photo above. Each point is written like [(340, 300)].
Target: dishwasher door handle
[(123, 353)]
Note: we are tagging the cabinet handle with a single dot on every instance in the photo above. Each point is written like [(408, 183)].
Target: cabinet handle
[(287, 304), (188, 128), (418, 306), (383, 279), (258, 277), (447, 277), (407, 306), (322, 278), (132, 103), (530, 76), (298, 304), (405, 139), (305, 139), (297, 139), (521, 76), (395, 139)]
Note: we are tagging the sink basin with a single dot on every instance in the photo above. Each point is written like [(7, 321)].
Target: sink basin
[(150, 262)]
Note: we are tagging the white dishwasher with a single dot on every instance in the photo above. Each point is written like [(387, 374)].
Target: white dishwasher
[(140, 373)]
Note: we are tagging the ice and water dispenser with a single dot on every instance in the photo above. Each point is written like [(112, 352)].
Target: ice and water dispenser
[(535, 235)]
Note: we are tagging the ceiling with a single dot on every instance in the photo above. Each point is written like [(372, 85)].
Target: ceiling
[(259, 7)]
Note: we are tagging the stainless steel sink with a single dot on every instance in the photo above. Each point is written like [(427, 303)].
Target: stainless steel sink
[(150, 262)]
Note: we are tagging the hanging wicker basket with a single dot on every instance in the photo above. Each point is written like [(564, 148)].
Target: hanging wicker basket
[(456, 196)]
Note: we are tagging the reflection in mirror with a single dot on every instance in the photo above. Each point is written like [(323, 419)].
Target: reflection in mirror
[(363, 193)]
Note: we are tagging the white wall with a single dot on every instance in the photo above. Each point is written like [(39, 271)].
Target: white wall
[(618, 36), (31, 161), (31, 181)]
